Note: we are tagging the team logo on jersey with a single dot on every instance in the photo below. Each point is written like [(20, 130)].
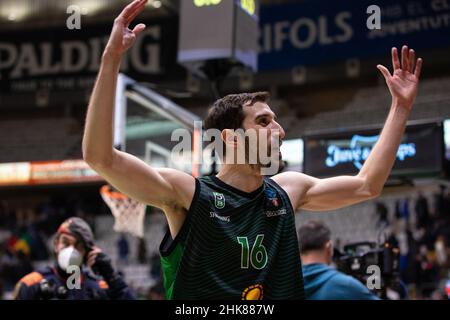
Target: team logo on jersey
[(254, 292), (272, 198), (219, 200)]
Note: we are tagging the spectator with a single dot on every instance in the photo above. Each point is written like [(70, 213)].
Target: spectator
[(382, 213), (74, 247), (123, 249), (142, 251), (156, 292), (397, 209), (441, 204), (155, 267), (446, 206), (404, 209), (13, 265), (441, 251), (422, 212), (428, 272)]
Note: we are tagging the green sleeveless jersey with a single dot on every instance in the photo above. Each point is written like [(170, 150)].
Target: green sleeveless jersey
[(234, 245)]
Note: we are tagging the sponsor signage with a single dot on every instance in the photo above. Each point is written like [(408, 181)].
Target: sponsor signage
[(319, 31), (63, 59), (48, 172), (341, 153)]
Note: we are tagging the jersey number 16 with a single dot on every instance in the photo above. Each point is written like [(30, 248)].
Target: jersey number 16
[(257, 256)]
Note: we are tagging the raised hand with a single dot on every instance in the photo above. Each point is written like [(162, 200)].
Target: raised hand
[(122, 38), (403, 83)]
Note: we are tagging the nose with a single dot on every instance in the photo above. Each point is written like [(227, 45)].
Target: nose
[(280, 128)]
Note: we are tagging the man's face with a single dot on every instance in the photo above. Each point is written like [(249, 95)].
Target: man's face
[(66, 240), (259, 117)]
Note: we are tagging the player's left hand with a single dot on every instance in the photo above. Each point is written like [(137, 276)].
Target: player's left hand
[(403, 83)]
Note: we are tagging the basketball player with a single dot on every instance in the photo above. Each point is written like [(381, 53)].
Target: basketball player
[(232, 236)]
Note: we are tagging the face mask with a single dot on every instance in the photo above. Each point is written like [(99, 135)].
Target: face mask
[(69, 256)]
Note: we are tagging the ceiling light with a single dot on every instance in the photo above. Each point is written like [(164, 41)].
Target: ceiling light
[(16, 12)]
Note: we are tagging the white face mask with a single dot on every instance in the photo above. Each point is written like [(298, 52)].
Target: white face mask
[(69, 256)]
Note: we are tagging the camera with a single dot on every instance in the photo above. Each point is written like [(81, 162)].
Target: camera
[(49, 290), (366, 260)]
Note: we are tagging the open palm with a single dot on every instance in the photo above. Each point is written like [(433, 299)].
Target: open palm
[(403, 83), (122, 38)]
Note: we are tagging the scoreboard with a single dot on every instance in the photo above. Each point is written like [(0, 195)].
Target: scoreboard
[(218, 30)]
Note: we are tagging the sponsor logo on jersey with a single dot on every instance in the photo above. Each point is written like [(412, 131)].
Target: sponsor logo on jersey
[(221, 218), (219, 200), (254, 292), (274, 213)]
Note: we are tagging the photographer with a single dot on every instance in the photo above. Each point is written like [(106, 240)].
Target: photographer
[(74, 247), (321, 281)]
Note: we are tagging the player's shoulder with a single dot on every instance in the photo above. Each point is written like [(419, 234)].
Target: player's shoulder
[(289, 179), (295, 184), (182, 184), (177, 177), (169, 172)]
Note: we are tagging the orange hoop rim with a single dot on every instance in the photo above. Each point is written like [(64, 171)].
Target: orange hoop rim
[(105, 190)]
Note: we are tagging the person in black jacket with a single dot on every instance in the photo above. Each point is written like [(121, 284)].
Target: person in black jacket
[(70, 278)]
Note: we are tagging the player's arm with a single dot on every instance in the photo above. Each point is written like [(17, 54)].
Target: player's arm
[(125, 172), (327, 194)]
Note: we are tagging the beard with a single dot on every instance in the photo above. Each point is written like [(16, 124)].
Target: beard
[(264, 154), (274, 160), (274, 157)]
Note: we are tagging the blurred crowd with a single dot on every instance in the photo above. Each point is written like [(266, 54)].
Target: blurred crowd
[(420, 228)]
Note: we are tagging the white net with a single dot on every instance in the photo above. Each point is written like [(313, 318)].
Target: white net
[(128, 213)]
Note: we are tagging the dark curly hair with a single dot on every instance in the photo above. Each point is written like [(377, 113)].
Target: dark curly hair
[(227, 112)]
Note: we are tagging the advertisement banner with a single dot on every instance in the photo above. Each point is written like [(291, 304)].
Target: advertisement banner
[(47, 172), (61, 59), (319, 31), (421, 151)]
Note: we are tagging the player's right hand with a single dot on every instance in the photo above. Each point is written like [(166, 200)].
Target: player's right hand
[(122, 38)]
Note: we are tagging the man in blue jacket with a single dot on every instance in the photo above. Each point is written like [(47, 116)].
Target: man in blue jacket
[(321, 281)]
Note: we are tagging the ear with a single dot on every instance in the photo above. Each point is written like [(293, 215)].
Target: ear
[(329, 245), (229, 137)]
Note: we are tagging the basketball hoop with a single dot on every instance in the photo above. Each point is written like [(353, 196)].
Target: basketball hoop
[(128, 213)]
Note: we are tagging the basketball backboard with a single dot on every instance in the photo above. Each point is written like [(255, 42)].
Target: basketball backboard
[(145, 122)]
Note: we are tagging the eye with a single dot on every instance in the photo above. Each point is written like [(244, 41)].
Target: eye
[(264, 121)]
